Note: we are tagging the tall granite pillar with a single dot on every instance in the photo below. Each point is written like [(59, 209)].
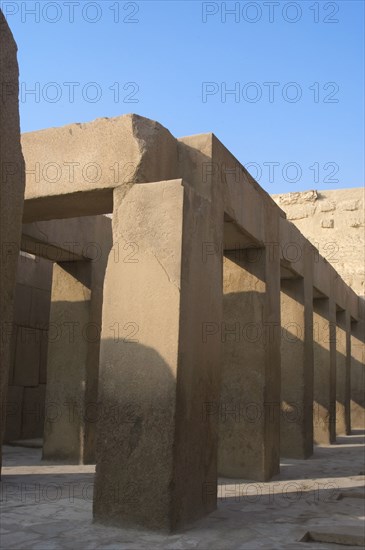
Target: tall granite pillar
[(296, 423), (343, 372), (64, 427), (11, 198), (156, 447), (324, 341), (249, 419), (358, 374)]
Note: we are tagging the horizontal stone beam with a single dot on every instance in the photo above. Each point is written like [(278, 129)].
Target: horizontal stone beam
[(74, 239), (71, 171), (103, 154), (69, 205)]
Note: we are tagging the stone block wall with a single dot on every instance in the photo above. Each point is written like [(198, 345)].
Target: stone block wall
[(334, 221), (28, 366)]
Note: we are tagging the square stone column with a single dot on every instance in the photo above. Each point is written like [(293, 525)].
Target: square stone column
[(69, 334), (12, 176), (249, 414), (324, 341), (358, 375), (156, 446), (296, 423), (343, 372)]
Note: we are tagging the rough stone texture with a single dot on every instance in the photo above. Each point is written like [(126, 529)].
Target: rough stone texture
[(334, 222), (91, 159), (156, 461), (296, 423), (11, 195), (324, 384)]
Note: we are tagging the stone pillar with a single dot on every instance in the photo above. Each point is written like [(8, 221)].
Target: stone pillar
[(64, 428), (324, 340), (358, 375), (11, 199), (249, 414), (296, 423), (343, 372), (156, 443)]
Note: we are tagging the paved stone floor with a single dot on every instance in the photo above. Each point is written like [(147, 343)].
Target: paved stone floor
[(48, 506)]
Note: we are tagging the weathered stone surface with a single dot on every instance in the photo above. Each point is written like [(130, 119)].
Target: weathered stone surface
[(340, 239), (300, 212), (159, 375), (91, 159), (297, 197), (327, 206), (11, 192), (328, 223)]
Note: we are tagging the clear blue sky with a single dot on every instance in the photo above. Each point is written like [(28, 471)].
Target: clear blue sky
[(172, 61)]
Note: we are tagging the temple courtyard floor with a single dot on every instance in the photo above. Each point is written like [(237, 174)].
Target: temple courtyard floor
[(312, 504)]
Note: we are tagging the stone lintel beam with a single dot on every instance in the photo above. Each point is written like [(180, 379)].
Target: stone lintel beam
[(92, 202), (74, 239), (88, 160)]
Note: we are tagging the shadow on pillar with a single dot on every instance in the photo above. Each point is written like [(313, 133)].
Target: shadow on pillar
[(296, 422), (68, 433), (357, 405), (343, 373), (136, 468), (249, 408), (324, 386)]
